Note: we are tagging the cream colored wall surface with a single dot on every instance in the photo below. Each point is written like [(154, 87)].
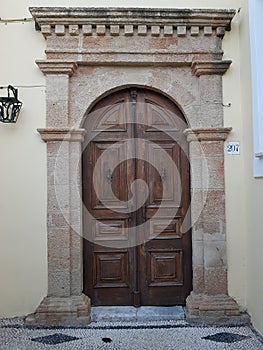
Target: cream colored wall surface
[(234, 165), (254, 195), (23, 255), (255, 244), (244, 193)]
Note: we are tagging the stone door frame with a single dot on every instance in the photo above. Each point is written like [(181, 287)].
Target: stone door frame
[(91, 52)]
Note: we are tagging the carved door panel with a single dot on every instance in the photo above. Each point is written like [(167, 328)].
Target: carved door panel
[(107, 178), (165, 258), (134, 251)]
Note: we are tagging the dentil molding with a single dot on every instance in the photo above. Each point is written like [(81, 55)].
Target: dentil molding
[(102, 21), (133, 37)]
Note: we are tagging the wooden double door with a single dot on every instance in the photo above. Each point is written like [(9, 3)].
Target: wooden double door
[(136, 196)]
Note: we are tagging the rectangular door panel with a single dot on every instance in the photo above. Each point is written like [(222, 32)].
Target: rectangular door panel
[(109, 176), (163, 175), (164, 228), (164, 268), (111, 270), (109, 230)]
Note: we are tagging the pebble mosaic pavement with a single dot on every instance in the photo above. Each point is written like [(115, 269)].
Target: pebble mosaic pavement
[(127, 335)]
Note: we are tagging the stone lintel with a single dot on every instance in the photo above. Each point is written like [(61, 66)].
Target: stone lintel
[(132, 16), (130, 57), (61, 311), (210, 67), (57, 66), (66, 134), (218, 309), (213, 134)]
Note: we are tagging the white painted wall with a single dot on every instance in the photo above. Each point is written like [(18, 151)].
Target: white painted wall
[(23, 253)]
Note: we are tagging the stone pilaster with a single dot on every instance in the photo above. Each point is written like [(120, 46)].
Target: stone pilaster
[(65, 304), (209, 301), (58, 73)]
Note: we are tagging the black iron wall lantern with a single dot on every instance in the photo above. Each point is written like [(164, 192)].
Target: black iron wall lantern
[(10, 106)]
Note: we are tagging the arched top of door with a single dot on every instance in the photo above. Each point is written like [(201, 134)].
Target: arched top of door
[(114, 109)]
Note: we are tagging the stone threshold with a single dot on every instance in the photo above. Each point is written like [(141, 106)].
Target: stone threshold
[(131, 313)]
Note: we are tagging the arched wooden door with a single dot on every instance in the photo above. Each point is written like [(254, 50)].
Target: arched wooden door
[(134, 250)]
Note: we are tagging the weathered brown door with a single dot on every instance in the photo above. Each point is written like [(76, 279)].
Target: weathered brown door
[(136, 196)]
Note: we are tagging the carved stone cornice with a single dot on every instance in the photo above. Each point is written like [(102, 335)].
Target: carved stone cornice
[(213, 134), (65, 134), (57, 66), (131, 21), (130, 36), (210, 67)]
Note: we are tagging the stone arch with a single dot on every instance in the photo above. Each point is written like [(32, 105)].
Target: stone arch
[(173, 99), (176, 92)]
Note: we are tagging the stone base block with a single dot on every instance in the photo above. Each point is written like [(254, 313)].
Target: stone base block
[(62, 311), (214, 310)]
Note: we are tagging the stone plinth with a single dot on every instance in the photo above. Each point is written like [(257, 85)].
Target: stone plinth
[(214, 309), (67, 311)]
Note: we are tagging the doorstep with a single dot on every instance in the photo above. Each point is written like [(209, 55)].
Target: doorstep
[(131, 313)]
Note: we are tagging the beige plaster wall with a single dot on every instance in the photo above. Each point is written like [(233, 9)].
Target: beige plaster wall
[(23, 254), (236, 218), (254, 195)]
